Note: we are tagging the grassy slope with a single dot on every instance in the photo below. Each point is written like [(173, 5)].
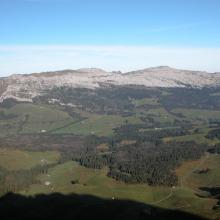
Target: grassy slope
[(159, 115), (145, 101), (42, 118), (16, 159), (95, 182), (33, 118), (100, 125), (194, 180), (198, 114), (199, 137)]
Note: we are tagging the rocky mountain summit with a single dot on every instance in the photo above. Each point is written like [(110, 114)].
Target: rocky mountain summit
[(24, 87)]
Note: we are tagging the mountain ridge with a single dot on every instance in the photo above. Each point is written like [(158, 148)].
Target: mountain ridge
[(24, 87)]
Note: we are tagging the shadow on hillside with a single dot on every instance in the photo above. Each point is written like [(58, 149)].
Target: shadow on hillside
[(58, 206), (214, 193)]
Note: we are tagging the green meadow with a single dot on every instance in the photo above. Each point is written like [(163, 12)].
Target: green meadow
[(17, 159), (95, 182)]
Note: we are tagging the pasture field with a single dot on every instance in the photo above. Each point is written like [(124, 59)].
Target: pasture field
[(195, 180), (199, 137), (95, 182), (31, 118), (160, 115), (216, 94), (41, 118), (145, 101), (17, 159), (69, 177), (100, 125), (34, 119), (198, 115), (9, 127)]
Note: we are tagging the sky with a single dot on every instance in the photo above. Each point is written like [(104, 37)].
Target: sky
[(44, 35)]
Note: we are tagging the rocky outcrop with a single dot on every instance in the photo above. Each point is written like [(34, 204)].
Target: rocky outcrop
[(26, 87)]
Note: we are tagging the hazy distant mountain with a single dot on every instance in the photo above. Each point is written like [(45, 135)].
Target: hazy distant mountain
[(26, 87)]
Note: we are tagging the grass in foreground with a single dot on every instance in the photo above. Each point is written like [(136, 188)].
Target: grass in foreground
[(195, 180), (95, 182), (16, 159)]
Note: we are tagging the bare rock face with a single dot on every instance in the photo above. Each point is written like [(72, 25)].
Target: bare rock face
[(26, 87), (3, 86), (168, 77)]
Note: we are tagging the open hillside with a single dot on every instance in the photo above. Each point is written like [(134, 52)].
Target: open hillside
[(150, 137)]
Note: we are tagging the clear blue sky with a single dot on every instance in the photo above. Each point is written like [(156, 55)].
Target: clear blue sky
[(127, 22), (163, 23)]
